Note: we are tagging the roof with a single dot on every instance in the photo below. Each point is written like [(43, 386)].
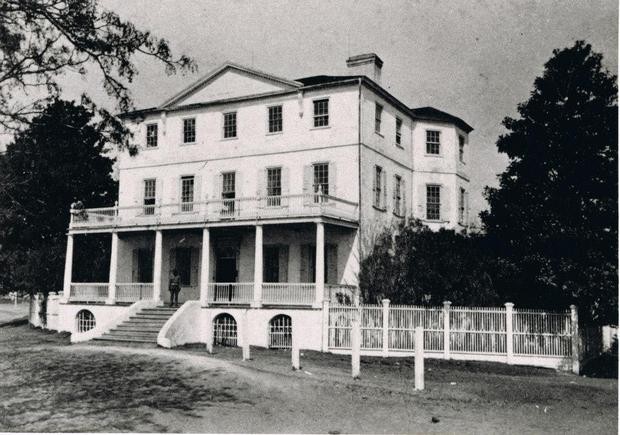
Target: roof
[(431, 114), (321, 80)]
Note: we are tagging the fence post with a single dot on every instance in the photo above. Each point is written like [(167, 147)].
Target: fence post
[(210, 334), (325, 326), (246, 338), (574, 326), (446, 329), (386, 325), (509, 342), (355, 344), (419, 358), (295, 352)]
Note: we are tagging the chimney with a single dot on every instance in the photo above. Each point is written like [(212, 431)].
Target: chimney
[(368, 65)]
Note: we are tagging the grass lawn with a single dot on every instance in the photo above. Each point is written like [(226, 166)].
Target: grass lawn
[(49, 385)]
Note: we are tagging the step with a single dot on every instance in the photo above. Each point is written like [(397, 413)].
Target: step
[(141, 336), (139, 328), (150, 317), (124, 339)]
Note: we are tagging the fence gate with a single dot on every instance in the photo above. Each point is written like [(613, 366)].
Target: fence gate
[(225, 330), (280, 332)]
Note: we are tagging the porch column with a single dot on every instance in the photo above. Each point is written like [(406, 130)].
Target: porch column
[(66, 288), (157, 262), (204, 267), (258, 267), (319, 278), (113, 269)]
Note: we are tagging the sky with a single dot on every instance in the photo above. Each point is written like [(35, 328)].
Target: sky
[(475, 59)]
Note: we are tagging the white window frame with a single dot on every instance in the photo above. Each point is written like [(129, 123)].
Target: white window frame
[(320, 188), (183, 130), (274, 198), (187, 206), (378, 117), (437, 204), (433, 143), (234, 125), (398, 135), (269, 108), (156, 136), (378, 193), (462, 205), (149, 209), (398, 195), (461, 148), (315, 116)]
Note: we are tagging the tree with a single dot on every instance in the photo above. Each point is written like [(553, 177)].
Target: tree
[(555, 212), (41, 39), (414, 265), (60, 159)]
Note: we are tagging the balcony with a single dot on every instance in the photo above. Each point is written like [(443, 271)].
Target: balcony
[(223, 210), (221, 293)]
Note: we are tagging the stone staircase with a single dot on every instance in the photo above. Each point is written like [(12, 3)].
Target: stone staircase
[(142, 327)]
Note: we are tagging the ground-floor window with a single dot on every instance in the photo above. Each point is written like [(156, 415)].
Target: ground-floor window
[(225, 330), (281, 332), (85, 321)]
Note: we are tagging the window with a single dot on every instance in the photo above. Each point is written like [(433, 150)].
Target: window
[(321, 113), (189, 130), (151, 135), (321, 181), (149, 196), (225, 330), (187, 193), (271, 270), (462, 196), (228, 192), (274, 186), (230, 125), (399, 128), (462, 148), (275, 119), (378, 187), (378, 115), (398, 196), (433, 202), (85, 321), (432, 142)]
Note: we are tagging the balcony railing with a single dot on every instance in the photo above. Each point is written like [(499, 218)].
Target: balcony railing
[(221, 210), (221, 293)]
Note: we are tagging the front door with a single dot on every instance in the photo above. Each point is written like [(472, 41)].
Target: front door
[(225, 271)]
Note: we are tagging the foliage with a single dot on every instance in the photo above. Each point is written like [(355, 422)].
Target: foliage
[(57, 161), (555, 212), (42, 39), (415, 265)]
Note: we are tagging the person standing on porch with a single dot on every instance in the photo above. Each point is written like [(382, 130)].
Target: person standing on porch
[(174, 288)]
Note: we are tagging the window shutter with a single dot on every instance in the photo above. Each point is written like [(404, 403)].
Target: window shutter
[(303, 263), (332, 264), (238, 185), (445, 207), (374, 186), (333, 186), (283, 263), (403, 196), (466, 208), (285, 187), (219, 186), (394, 187), (261, 184), (134, 265), (177, 199), (307, 187), (194, 263), (197, 188), (383, 182)]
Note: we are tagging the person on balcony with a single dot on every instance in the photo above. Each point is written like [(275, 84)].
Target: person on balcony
[(174, 288)]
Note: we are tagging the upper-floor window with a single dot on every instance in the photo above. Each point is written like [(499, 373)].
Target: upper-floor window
[(398, 196), (432, 142), (187, 193), (462, 148), (433, 202), (274, 186), (378, 116), (378, 187), (399, 128), (275, 119), (189, 130), (230, 124), (151, 135), (228, 191), (321, 112), (462, 201), (149, 196), (321, 179)]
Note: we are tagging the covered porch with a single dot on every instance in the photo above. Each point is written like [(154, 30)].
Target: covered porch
[(297, 264)]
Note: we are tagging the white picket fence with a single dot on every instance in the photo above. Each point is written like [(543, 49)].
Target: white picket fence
[(505, 334)]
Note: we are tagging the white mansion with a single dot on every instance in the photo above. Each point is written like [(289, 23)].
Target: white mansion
[(264, 193)]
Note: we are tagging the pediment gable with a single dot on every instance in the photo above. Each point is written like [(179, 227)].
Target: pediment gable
[(229, 81)]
